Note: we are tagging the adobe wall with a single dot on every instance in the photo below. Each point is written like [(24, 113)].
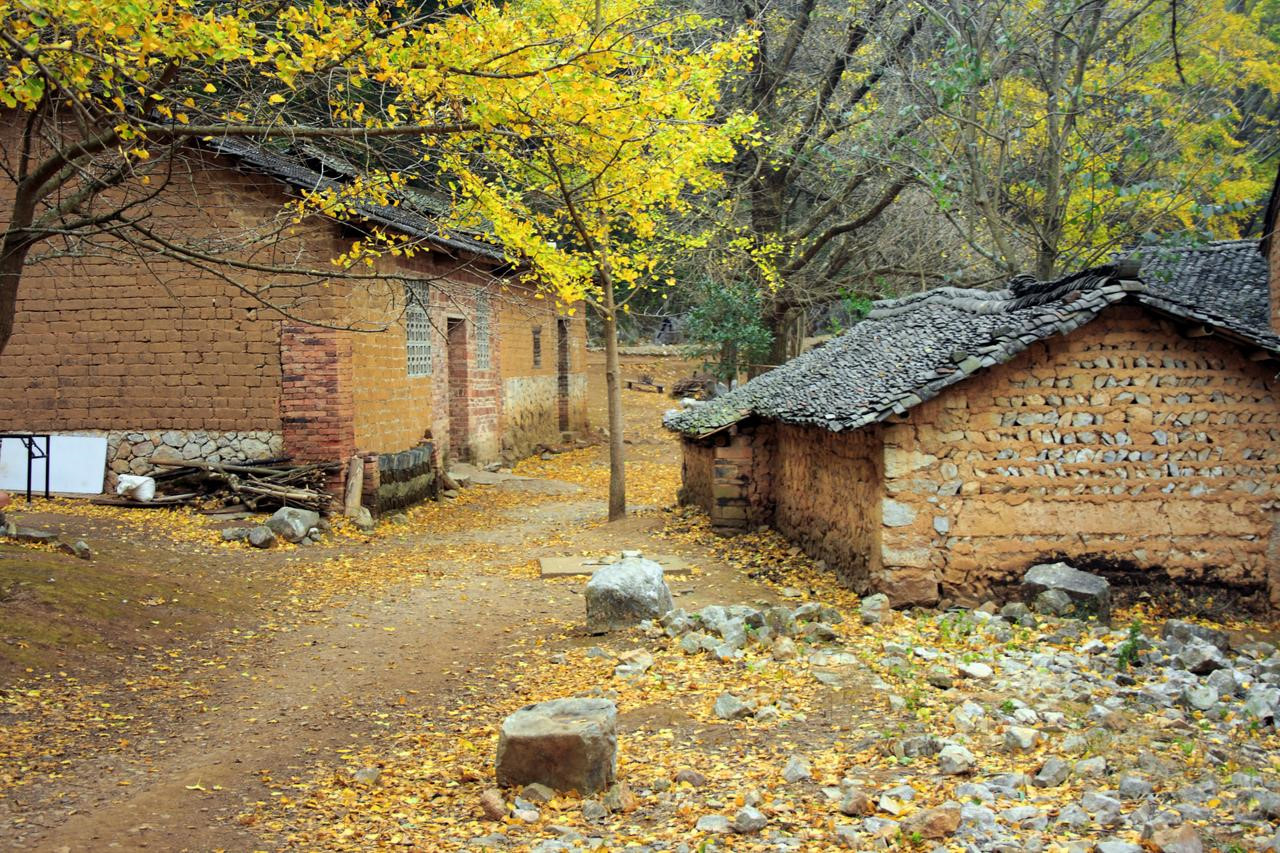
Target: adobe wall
[(510, 405), (531, 406), (826, 497), (1273, 263), (1124, 445), (696, 475), (156, 353)]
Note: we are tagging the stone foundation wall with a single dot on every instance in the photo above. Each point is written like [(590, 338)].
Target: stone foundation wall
[(1126, 446), (132, 452), (530, 414), (396, 480)]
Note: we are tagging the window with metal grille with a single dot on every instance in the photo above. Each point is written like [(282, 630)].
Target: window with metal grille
[(417, 331), (537, 346), (482, 331)]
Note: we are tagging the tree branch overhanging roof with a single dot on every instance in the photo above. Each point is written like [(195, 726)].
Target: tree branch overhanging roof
[(415, 217), (910, 349)]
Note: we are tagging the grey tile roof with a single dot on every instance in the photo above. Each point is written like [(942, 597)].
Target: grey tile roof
[(909, 349), (1227, 280), (416, 217)]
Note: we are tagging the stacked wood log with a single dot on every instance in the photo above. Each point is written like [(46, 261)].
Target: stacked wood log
[(257, 486)]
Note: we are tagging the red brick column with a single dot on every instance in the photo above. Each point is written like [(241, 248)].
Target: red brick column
[(316, 404)]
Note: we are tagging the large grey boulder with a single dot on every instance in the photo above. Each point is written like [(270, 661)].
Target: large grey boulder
[(624, 593), (565, 744), (1090, 594), (293, 524)]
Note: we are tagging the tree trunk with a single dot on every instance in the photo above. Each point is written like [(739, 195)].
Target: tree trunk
[(784, 325), (613, 390), (13, 255)]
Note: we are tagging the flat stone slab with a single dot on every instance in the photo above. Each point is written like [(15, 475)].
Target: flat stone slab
[(563, 567)]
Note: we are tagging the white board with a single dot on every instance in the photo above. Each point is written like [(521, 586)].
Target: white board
[(77, 465)]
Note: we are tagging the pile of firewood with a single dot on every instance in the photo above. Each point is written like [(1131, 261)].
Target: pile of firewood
[(257, 486)]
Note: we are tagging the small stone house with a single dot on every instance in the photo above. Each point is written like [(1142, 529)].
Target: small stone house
[(1125, 421), (450, 361)]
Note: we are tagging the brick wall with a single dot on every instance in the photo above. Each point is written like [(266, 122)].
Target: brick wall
[(317, 408), (729, 476), (531, 406), (696, 474), (393, 410), (1125, 447)]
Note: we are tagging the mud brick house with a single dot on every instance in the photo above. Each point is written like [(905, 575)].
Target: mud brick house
[(162, 356), (1124, 421)]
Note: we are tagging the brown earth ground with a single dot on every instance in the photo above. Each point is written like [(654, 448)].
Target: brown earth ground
[(178, 693)]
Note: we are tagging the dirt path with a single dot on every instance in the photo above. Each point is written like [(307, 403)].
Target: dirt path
[(315, 687)]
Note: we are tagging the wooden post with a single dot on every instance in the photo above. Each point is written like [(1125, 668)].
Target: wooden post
[(355, 486)]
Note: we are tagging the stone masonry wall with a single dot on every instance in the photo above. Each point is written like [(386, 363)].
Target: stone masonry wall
[(826, 489), (396, 480), (731, 477), (1125, 446)]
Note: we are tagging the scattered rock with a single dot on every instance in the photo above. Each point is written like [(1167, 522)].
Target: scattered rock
[(1021, 738), (493, 805), (1185, 632), (536, 792), (730, 707), (976, 670), (1134, 787), (854, 802), (1200, 657), (955, 760), (874, 608), (940, 678), (691, 777), (80, 549), (367, 775), (748, 820), (784, 648), (236, 534), (33, 536), (593, 811), (1090, 594), (797, 769), (625, 593), (1053, 602), (1052, 773), (362, 519), (1178, 839), (713, 823), (565, 744), (262, 537), (292, 524), (1200, 697), (933, 824), (619, 798)]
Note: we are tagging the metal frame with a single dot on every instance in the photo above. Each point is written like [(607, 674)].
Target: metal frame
[(34, 452)]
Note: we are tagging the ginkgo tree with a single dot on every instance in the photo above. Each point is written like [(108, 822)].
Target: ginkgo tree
[(585, 192)]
